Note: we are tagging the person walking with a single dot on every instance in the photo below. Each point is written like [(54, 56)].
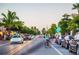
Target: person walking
[(76, 37)]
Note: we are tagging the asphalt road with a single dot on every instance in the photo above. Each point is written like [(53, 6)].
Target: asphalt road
[(54, 50), (39, 49), (32, 47), (44, 51), (6, 48), (10, 49)]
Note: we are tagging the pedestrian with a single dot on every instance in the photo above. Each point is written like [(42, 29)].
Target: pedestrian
[(76, 37), (5, 37), (67, 36), (54, 39)]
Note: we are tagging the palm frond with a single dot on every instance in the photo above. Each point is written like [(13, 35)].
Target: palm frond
[(4, 15), (74, 6)]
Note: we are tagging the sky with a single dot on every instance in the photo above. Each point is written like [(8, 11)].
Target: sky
[(38, 14)]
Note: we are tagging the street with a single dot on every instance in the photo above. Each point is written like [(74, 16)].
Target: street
[(32, 47), (6, 48), (54, 50), (12, 48)]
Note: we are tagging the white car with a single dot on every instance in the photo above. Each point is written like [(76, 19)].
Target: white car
[(32, 37), (17, 39)]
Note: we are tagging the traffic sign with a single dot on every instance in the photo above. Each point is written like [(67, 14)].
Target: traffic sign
[(58, 29)]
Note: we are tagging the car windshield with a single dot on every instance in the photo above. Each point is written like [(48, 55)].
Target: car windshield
[(16, 36)]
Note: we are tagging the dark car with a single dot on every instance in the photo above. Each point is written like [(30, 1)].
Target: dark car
[(27, 37), (73, 47)]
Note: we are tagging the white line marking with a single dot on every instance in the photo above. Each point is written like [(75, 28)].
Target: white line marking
[(4, 44), (57, 50)]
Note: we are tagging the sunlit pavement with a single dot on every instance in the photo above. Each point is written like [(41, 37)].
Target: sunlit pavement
[(10, 49), (2, 42), (13, 49)]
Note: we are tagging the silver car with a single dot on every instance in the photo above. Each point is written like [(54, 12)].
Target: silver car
[(17, 39)]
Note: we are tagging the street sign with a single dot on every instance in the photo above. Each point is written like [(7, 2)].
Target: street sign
[(58, 29)]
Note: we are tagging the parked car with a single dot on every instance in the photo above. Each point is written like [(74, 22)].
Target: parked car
[(74, 43), (32, 37), (17, 39), (73, 47)]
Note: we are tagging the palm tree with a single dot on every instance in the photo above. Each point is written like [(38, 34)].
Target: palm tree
[(66, 16), (44, 31), (76, 6), (9, 18), (18, 25)]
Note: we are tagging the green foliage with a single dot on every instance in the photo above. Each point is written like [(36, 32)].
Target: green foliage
[(9, 18), (76, 19), (12, 22), (76, 6), (52, 30), (35, 30), (64, 25), (44, 31), (70, 24)]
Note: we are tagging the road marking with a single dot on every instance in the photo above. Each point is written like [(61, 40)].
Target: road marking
[(4, 44), (57, 50)]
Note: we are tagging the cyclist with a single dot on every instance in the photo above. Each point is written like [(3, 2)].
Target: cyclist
[(47, 40)]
